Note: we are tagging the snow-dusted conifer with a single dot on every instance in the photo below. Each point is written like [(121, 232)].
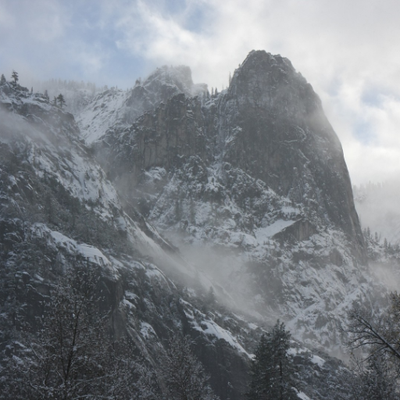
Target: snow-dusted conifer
[(61, 100), (272, 368), (14, 76)]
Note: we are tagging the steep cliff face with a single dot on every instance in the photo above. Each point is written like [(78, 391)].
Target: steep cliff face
[(57, 211), (117, 107), (256, 173), (277, 132)]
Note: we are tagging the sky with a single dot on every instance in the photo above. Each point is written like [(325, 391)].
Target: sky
[(348, 50)]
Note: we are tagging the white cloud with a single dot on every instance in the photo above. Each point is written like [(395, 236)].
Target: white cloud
[(346, 50)]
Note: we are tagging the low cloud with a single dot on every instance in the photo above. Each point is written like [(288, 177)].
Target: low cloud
[(347, 51)]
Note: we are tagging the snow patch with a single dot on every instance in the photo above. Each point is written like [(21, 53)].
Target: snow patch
[(271, 230)]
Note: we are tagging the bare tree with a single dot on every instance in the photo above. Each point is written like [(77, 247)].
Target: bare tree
[(377, 336), (74, 355), (376, 332), (183, 373), (374, 379)]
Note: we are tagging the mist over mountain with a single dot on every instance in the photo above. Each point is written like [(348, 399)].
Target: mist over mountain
[(255, 172), (205, 214), (378, 210)]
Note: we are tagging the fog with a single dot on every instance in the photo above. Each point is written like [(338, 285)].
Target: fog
[(226, 271), (378, 208)]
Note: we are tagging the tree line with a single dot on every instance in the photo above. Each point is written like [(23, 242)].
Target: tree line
[(57, 100), (74, 353), (71, 352)]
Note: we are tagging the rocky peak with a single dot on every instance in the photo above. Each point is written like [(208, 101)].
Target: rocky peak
[(178, 78), (259, 170), (123, 108), (163, 84), (270, 82), (276, 130)]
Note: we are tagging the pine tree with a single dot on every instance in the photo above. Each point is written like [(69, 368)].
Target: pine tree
[(14, 76), (2, 79), (60, 99), (272, 368)]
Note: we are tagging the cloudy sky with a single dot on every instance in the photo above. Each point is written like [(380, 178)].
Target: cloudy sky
[(348, 50)]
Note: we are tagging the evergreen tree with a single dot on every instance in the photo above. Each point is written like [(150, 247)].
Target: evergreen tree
[(14, 76), (61, 100), (2, 79), (272, 368)]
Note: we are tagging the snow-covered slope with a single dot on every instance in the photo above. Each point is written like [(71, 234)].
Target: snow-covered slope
[(57, 209), (115, 106), (249, 189), (257, 174)]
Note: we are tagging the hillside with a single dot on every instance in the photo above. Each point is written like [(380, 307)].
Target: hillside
[(203, 215)]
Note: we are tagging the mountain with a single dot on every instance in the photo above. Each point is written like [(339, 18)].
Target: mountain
[(252, 184), (204, 215), (117, 107), (58, 210)]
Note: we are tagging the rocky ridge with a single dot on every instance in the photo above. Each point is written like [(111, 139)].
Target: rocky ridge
[(258, 174), (175, 166)]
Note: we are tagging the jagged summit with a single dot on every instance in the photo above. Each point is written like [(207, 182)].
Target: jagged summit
[(270, 82), (276, 130), (177, 78), (113, 106), (262, 56), (257, 170), (250, 192)]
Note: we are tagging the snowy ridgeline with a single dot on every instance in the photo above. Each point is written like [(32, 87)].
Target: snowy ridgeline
[(241, 244), (312, 271)]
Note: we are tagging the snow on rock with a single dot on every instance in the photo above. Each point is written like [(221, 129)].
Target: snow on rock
[(101, 113), (116, 107), (303, 396), (269, 231), (61, 242), (207, 326)]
